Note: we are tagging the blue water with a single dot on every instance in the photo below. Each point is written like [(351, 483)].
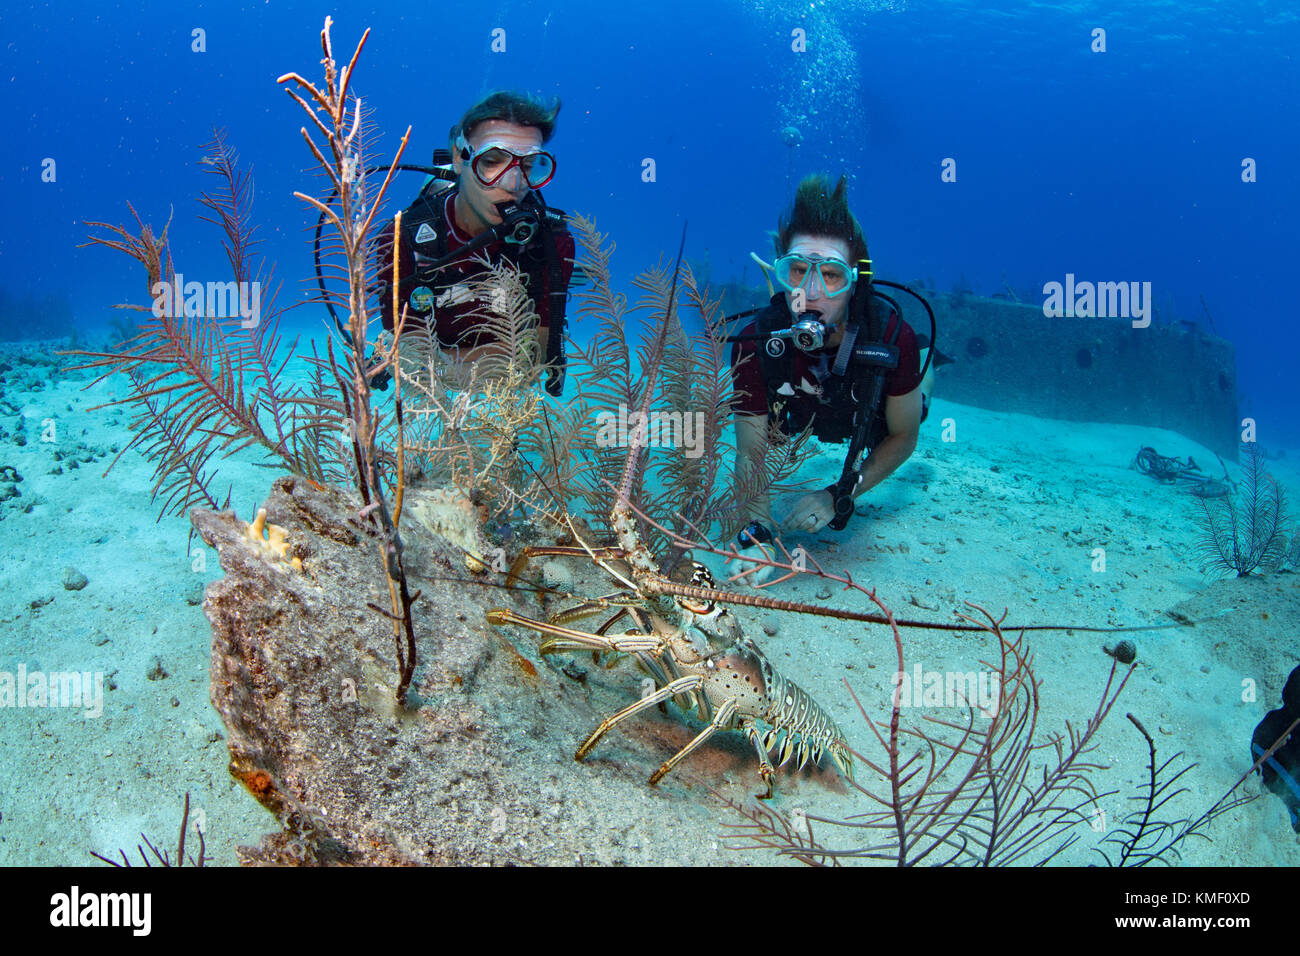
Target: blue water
[(1117, 165), (1123, 165)]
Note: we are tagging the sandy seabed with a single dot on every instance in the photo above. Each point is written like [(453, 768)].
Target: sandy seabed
[(1008, 515)]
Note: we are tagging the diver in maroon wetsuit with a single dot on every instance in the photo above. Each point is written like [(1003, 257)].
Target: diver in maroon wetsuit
[(499, 168), (829, 353)]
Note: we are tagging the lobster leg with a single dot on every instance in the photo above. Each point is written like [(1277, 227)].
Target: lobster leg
[(590, 608), (764, 765), (680, 686), (567, 639), (572, 552), (587, 609), (602, 604), (721, 718), (599, 555)]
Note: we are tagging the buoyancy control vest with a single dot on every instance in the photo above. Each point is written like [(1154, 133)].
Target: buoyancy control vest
[(424, 232), (836, 416), (851, 404)]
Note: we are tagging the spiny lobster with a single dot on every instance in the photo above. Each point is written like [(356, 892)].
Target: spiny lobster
[(733, 687), (706, 663)]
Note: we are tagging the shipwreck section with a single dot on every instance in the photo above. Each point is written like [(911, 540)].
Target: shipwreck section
[(480, 769), (1010, 357)]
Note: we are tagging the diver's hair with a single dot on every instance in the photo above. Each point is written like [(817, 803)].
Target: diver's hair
[(820, 210), (513, 107)]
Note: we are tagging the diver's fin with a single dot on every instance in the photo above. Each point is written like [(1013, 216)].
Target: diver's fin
[(923, 343), (767, 271), (940, 360)]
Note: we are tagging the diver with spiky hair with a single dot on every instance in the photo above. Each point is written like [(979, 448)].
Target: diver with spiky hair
[(485, 202), (830, 352)]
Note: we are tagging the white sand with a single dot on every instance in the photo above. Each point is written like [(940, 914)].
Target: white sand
[(1007, 516)]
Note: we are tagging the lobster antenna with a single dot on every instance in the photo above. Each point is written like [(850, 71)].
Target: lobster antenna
[(653, 361)]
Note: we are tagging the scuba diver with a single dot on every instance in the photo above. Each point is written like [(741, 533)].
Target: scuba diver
[(1280, 773), (484, 200), (830, 352)]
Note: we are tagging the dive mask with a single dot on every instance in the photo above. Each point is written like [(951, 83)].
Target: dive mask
[(494, 159), (795, 271)]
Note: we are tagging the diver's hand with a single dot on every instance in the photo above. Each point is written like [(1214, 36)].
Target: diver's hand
[(754, 541), (810, 513)]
